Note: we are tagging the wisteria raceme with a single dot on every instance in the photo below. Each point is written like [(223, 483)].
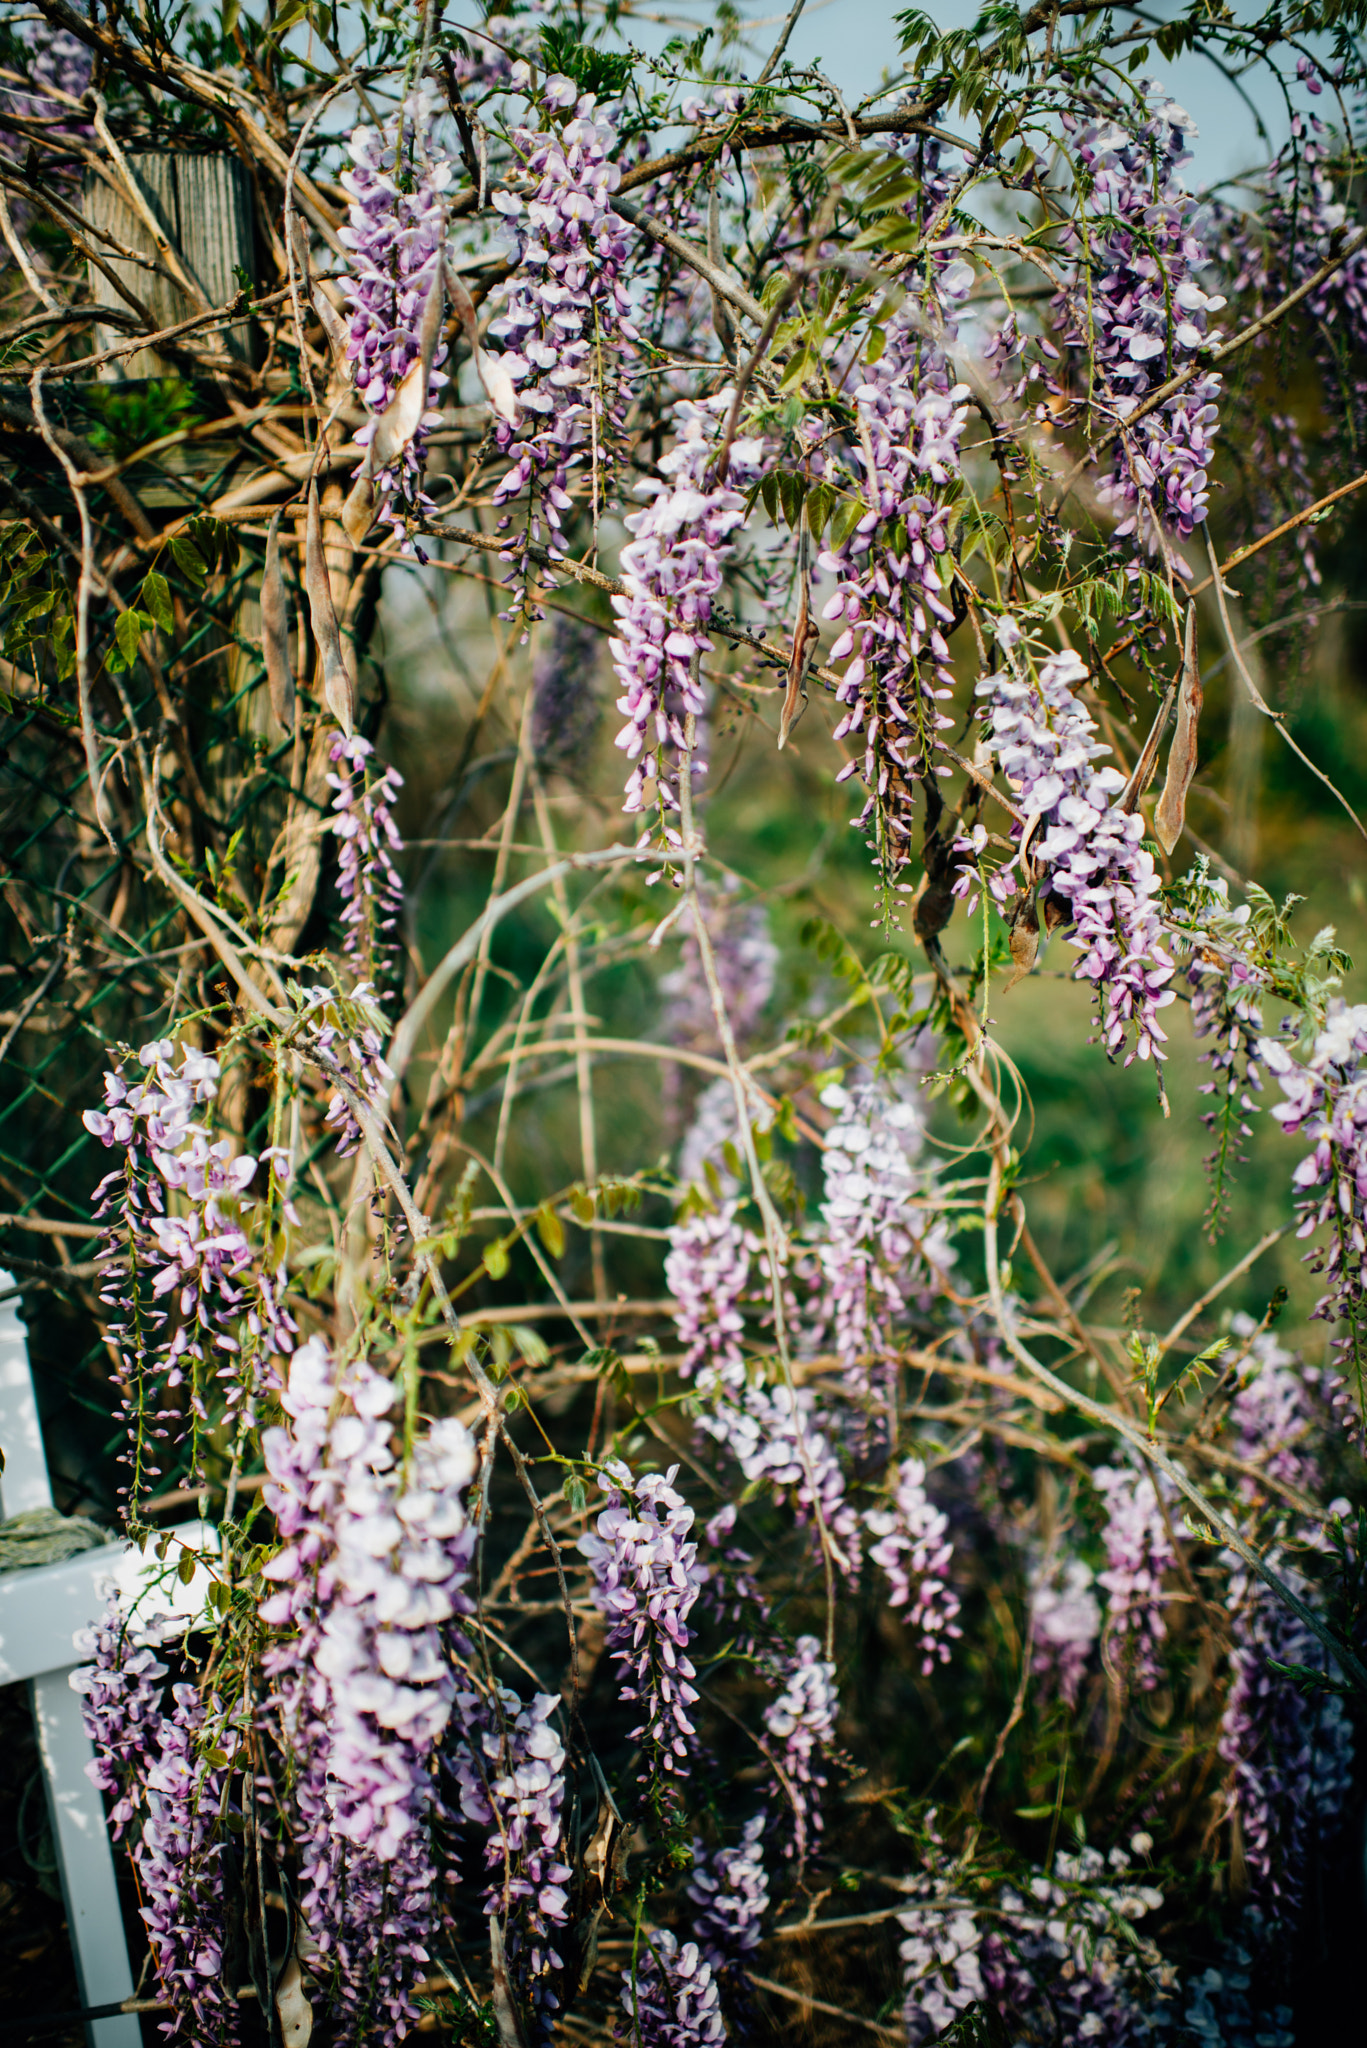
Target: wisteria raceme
[(800, 1725), (1274, 1412), (398, 181), (707, 1271), (746, 961), (646, 1581), (730, 1889), (565, 705), (1138, 1554), (672, 569), (372, 1569), (1067, 1623), (368, 881), (511, 1773), (55, 62), (881, 1244), (1290, 1756), (344, 1041), (1065, 1959), (1089, 854), (166, 1801), (915, 1551), (892, 575), (174, 1240), (1326, 1103), (1136, 313), (1227, 992), (941, 1966), (671, 1998), (776, 1436), (568, 312)]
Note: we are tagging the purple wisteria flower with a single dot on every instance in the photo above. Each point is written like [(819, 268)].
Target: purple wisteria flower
[(1136, 314), (1274, 1412), (941, 1966), (646, 1580), (55, 62), (398, 181), (708, 1272), (775, 1434), (511, 1774), (730, 1888), (746, 959), (568, 313), (672, 569), (174, 1244), (1138, 1555), (800, 1725), (1088, 854), (882, 1245), (1326, 1103), (167, 1803), (368, 881), (375, 1555), (565, 705), (1066, 1959), (345, 1041), (892, 583), (1290, 1757), (670, 1999), (915, 1551), (1067, 1619)]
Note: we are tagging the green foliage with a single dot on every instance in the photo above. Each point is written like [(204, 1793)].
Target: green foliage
[(597, 71)]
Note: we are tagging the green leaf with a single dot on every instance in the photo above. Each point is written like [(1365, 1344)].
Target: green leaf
[(576, 1494), (820, 499), (156, 596), (581, 1202), (187, 557), (128, 632), (185, 1570), (768, 490), (1034, 1812), (847, 517), (496, 1259), (791, 490), (550, 1230)]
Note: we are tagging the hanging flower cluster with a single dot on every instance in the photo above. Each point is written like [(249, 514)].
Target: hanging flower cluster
[(1290, 1755), (707, 1271), (368, 881), (1067, 1621), (1138, 1554), (730, 1889), (892, 594), (670, 1999), (344, 1040), (800, 1724), (1227, 991), (1274, 1412), (1136, 313), (646, 1580), (1066, 1959), (1326, 1103), (941, 1966), (398, 182), (166, 1801), (511, 1774), (375, 1555), (881, 1244), (1089, 854), (565, 704), (568, 313), (672, 569), (775, 1436), (915, 1551), (746, 961), (55, 62), (174, 1240)]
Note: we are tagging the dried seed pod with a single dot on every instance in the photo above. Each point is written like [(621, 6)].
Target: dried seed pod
[(1170, 812), (275, 632), (339, 692)]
